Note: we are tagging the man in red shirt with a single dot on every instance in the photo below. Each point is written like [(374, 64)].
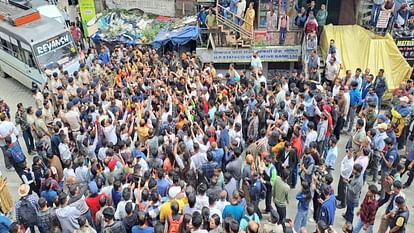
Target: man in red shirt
[(311, 25), (93, 199), (76, 33), (367, 211)]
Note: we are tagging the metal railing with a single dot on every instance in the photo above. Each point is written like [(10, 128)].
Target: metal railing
[(305, 57), (221, 20)]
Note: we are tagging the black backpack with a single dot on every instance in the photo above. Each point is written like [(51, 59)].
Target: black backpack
[(27, 213)]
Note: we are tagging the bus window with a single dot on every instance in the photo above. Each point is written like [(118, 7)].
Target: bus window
[(29, 58), (15, 48), (4, 45)]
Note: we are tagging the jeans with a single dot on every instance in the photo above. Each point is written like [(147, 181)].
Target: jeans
[(88, 216), (282, 35), (7, 162), (301, 219), (268, 200), (294, 176), (383, 175), (316, 206), (19, 168), (359, 225), (376, 8), (351, 117), (375, 165), (410, 173), (282, 214), (379, 102), (338, 127), (325, 147), (350, 207), (402, 141), (28, 140), (341, 191)]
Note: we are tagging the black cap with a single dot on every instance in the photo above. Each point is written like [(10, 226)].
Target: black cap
[(399, 200)]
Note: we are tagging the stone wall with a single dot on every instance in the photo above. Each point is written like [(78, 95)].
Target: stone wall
[(157, 7)]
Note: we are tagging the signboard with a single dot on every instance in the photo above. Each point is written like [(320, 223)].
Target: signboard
[(87, 12), (52, 44), (406, 47), (383, 18), (267, 54)]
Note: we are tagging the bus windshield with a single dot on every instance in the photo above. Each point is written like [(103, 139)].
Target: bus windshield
[(56, 51)]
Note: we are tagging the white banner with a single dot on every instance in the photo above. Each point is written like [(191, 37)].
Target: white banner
[(383, 18), (269, 54)]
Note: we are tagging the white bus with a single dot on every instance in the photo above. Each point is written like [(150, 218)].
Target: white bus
[(26, 51)]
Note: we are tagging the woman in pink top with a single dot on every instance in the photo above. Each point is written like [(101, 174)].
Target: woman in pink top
[(362, 158)]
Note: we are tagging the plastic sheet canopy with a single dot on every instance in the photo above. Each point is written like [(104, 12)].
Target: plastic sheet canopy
[(177, 37), (360, 48)]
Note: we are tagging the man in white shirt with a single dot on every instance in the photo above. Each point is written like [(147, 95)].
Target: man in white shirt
[(72, 117), (120, 213), (331, 70), (199, 157), (347, 165), (64, 150), (110, 129), (220, 204), (7, 128), (256, 63)]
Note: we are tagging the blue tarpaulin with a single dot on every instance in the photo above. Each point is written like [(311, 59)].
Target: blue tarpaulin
[(177, 37)]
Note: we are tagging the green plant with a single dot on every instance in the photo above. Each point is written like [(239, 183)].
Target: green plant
[(150, 32), (260, 43)]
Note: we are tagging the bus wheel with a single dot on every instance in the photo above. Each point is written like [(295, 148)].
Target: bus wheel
[(2, 74)]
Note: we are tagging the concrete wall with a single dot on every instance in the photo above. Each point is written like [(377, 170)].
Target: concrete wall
[(348, 12), (185, 8), (157, 7)]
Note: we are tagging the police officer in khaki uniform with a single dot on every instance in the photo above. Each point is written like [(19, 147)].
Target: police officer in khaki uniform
[(399, 223)]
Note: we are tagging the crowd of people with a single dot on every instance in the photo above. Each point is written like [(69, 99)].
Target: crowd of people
[(140, 142), (279, 19)]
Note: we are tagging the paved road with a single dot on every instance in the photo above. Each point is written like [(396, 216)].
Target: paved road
[(13, 92)]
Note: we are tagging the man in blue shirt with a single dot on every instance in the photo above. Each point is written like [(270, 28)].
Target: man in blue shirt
[(366, 84), (357, 78), (202, 18), (234, 209), (104, 56), (404, 110), (217, 152), (162, 184), (328, 208), (331, 155), (49, 194), (142, 227), (355, 102), (55, 140), (387, 161), (371, 97), (5, 223)]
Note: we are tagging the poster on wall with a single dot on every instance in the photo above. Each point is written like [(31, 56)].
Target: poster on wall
[(406, 47), (383, 18), (87, 12)]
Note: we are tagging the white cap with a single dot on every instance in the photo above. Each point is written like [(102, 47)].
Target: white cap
[(174, 191), (404, 99)]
